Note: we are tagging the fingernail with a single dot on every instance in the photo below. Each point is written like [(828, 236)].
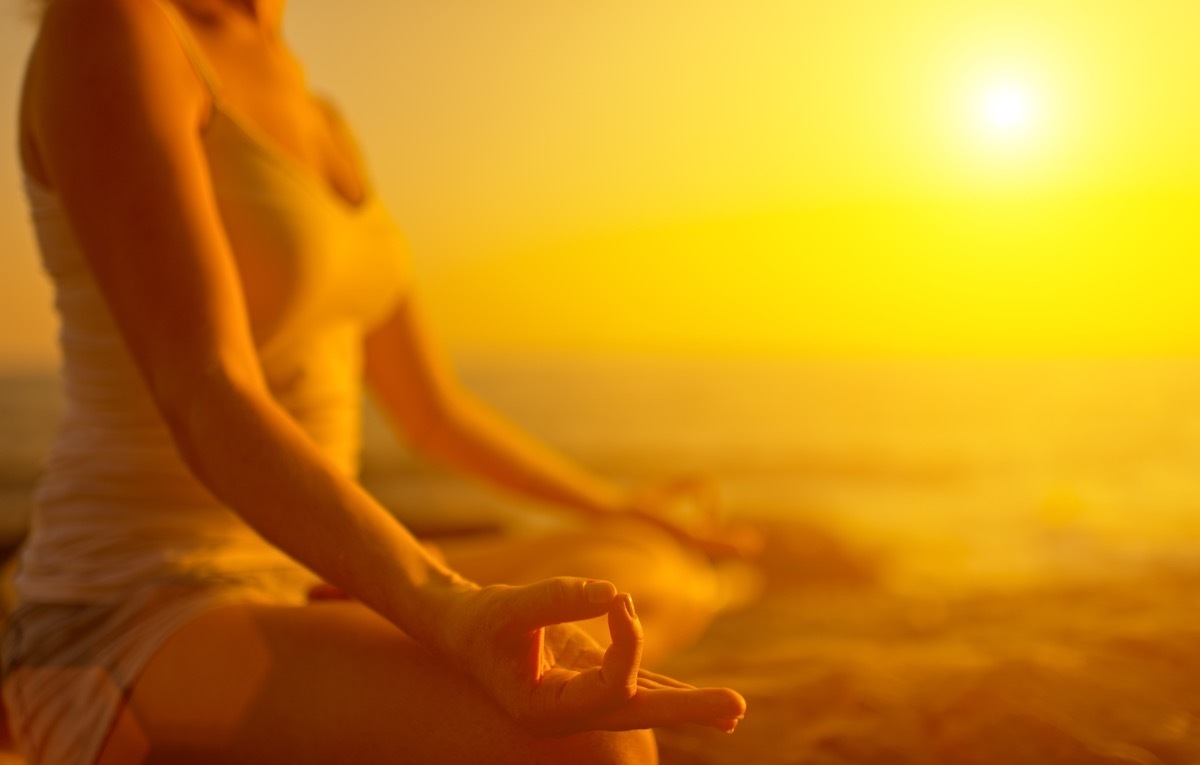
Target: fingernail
[(629, 607), (598, 592)]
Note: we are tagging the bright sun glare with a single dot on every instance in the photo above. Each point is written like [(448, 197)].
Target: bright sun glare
[(1007, 110)]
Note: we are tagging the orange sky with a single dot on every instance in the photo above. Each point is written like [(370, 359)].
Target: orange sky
[(770, 176)]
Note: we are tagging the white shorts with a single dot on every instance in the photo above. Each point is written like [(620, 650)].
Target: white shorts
[(69, 667)]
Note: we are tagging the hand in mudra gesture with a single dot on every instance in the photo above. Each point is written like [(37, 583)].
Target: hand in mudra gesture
[(689, 508), (555, 680)]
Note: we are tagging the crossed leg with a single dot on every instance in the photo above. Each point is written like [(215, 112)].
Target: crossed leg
[(677, 591), (324, 683), (334, 682)]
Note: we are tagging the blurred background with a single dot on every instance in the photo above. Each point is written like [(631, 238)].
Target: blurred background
[(797, 178), (915, 280)]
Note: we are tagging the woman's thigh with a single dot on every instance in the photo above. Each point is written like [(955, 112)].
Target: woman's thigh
[(319, 684)]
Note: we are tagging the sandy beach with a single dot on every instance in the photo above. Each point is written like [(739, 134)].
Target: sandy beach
[(840, 669)]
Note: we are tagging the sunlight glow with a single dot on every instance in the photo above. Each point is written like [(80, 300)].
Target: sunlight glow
[(1007, 110)]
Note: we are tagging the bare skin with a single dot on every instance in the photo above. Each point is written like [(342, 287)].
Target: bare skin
[(427, 665), (679, 592)]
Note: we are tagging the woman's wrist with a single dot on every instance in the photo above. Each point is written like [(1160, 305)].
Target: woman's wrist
[(427, 609)]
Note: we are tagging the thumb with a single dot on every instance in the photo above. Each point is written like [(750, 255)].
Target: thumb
[(557, 600)]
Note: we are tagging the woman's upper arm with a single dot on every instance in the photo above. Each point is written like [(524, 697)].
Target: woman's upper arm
[(116, 113)]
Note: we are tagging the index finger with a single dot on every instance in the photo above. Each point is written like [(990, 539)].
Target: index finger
[(555, 601)]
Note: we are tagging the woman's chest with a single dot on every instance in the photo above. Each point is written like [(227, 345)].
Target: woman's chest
[(262, 82), (307, 258)]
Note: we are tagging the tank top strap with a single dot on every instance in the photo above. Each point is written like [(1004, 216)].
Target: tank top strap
[(191, 49)]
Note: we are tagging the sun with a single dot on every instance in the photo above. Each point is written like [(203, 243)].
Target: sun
[(1007, 110)]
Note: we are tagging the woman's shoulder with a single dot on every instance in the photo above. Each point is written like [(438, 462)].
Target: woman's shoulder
[(119, 47), (118, 41), (98, 25), (337, 123), (103, 68)]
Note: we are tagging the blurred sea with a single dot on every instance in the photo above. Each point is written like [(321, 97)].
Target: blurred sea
[(952, 471)]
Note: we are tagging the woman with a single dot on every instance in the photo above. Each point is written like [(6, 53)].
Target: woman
[(225, 276)]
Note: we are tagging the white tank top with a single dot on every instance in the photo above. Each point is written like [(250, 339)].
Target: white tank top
[(117, 506)]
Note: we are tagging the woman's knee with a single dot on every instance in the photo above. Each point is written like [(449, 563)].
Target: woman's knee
[(635, 747)]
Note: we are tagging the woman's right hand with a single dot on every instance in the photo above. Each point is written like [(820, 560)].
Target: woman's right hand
[(550, 676)]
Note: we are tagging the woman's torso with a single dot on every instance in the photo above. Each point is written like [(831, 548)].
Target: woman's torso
[(319, 262)]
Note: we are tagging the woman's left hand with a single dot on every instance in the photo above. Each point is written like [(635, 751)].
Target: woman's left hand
[(689, 508)]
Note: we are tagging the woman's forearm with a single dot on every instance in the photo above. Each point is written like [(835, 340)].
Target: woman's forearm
[(420, 389), (469, 436), (253, 457)]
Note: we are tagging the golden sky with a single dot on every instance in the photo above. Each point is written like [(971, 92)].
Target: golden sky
[(780, 176)]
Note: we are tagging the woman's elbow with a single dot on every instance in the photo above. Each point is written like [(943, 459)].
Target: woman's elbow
[(199, 402)]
